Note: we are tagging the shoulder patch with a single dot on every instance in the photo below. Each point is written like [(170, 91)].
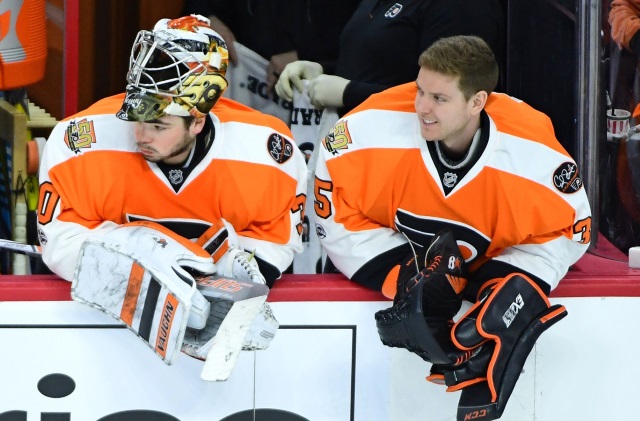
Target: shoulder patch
[(279, 148), (337, 138), (566, 178), (79, 134)]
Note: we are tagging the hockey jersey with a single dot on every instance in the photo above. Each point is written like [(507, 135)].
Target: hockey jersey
[(377, 188), (93, 178)]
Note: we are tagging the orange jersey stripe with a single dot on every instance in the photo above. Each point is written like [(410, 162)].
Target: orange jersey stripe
[(256, 213)]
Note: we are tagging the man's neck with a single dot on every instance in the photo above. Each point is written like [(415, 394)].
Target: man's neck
[(457, 147)]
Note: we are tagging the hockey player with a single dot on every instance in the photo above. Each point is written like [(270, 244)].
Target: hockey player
[(125, 183), (441, 190)]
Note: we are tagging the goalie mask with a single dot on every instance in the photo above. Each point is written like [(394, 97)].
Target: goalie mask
[(177, 69)]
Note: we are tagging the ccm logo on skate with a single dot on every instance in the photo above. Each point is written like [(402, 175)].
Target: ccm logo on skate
[(475, 415)]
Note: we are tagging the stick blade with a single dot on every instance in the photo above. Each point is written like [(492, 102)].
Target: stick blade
[(227, 344)]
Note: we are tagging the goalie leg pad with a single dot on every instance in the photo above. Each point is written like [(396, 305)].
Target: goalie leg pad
[(513, 316)]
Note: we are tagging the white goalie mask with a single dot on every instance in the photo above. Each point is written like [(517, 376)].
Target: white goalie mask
[(178, 68)]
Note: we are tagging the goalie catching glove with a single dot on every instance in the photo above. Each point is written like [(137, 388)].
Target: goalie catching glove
[(421, 317), (143, 275), (241, 270)]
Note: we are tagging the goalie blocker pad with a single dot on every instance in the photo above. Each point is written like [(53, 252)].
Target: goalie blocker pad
[(136, 274), (506, 323), (154, 312)]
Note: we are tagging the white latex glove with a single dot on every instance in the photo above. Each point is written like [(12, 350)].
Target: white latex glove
[(326, 91), (276, 66), (292, 75)]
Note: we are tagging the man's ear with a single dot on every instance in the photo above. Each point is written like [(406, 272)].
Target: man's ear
[(197, 125), (478, 101)]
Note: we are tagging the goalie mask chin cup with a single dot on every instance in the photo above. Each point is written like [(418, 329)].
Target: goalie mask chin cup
[(178, 68)]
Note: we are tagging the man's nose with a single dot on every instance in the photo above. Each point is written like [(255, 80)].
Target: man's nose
[(423, 105)]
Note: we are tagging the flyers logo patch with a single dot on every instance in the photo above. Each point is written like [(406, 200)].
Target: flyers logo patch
[(337, 138), (566, 178), (79, 134), (279, 148)]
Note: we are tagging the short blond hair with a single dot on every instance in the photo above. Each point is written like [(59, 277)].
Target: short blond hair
[(464, 56)]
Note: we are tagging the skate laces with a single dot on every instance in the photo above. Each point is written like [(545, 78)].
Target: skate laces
[(249, 265), (434, 265)]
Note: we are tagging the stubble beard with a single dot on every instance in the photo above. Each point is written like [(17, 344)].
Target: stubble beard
[(185, 145)]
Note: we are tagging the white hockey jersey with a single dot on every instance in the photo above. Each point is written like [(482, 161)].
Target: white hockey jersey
[(92, 178), (377, 187)]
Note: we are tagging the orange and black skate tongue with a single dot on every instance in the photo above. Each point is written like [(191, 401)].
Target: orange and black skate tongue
[(443, 255)]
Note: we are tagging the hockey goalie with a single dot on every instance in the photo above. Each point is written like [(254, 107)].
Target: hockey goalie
[(172, 209), (483, 353)]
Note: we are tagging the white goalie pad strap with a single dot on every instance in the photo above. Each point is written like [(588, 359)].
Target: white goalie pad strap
[(136, 275)]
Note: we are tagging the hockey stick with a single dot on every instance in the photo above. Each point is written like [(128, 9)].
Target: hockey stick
[(21, 248), (247, 299)]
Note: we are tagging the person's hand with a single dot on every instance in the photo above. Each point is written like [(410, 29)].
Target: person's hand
[(292, 75), (326, 91), (276, 65), (227, 35)]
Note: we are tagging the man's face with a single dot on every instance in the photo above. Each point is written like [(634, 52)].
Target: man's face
[(166, 140), (443, 112)]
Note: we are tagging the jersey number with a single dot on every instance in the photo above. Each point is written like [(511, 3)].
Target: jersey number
[(47, 202), (322, 205), (298, 206), (583, 227)]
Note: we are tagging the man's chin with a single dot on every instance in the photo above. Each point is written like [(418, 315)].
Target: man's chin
[(151, 158), (429, 138)]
